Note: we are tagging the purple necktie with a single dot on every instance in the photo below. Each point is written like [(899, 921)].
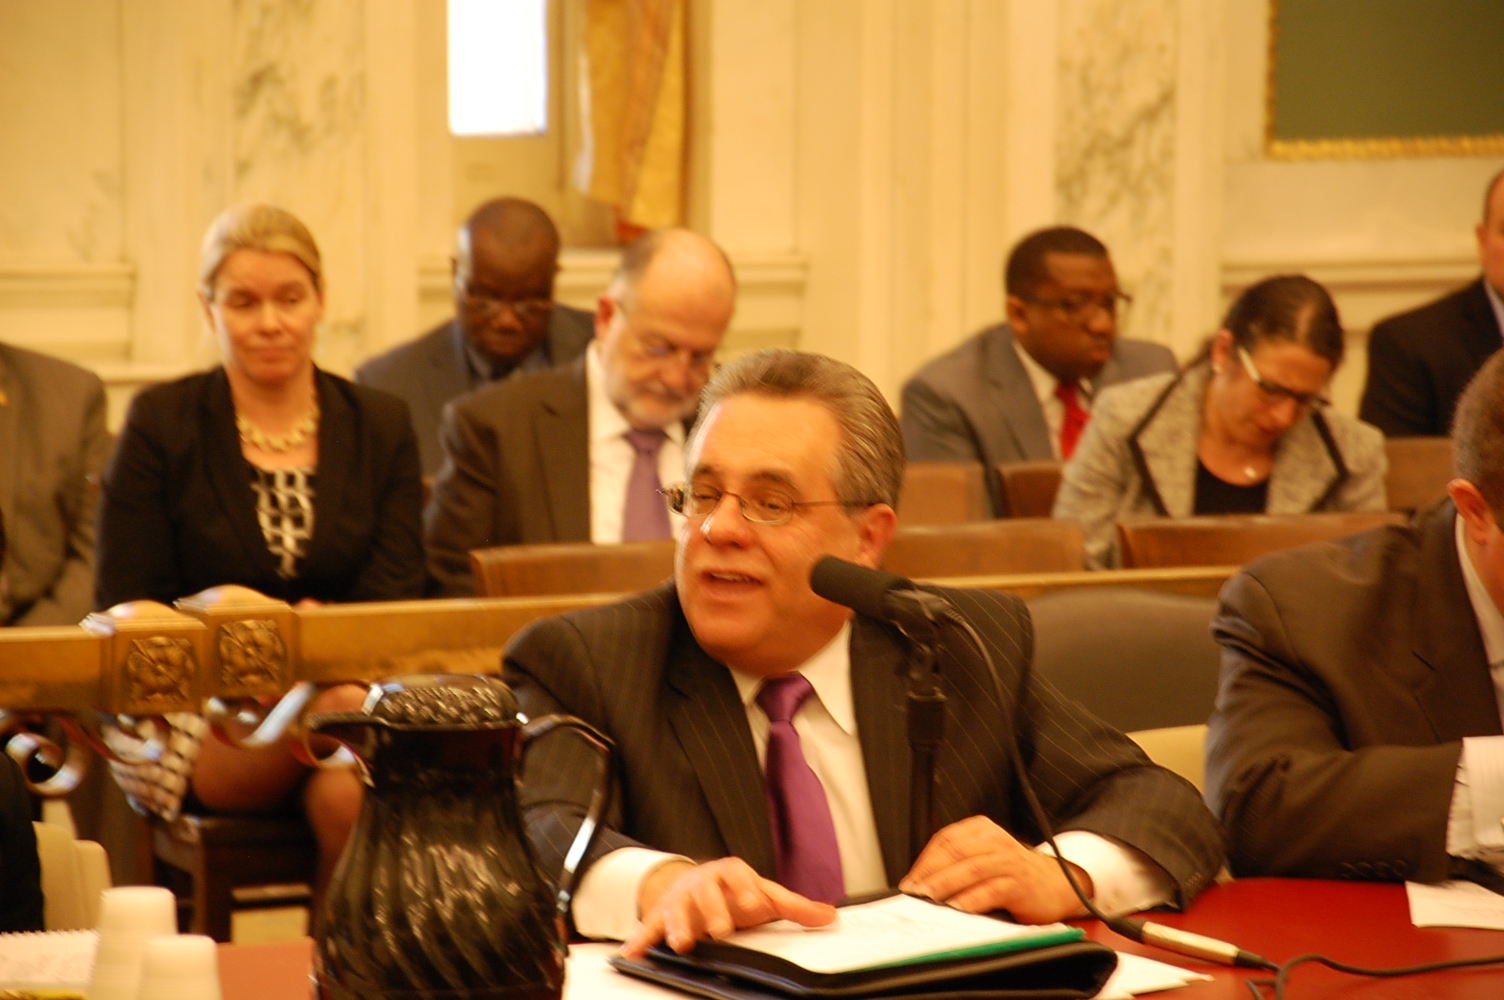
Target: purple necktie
[(804, 836), (645, 515)]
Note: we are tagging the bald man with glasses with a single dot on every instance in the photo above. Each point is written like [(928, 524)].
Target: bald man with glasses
[(577, 454)]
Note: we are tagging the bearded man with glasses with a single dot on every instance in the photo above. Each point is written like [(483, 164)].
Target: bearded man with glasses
[(505, 320), (1022, 390), (578, 453)]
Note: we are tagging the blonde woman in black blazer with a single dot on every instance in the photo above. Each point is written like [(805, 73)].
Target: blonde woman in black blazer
[(267, 473)]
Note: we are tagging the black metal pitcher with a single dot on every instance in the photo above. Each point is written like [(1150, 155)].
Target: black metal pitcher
[(438, 895)]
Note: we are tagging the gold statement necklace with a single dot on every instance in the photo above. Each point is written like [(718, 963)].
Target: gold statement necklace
[(278, 443)]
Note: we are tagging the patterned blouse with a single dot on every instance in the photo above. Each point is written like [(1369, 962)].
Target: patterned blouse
[(284, 509)]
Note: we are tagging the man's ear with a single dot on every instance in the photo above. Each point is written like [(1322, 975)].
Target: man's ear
[(1222, 348), (1477, 516), (1018, 319), (876, 525), (605, 309)]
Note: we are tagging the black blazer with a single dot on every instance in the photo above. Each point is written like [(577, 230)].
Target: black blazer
[(687, 776), (1419, 362), (177, 514)]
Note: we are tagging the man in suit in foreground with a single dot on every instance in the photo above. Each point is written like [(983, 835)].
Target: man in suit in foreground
[(505, 320), (551, 456), (796, 457), (1419, 361), (1021, 390), (1357, 727)]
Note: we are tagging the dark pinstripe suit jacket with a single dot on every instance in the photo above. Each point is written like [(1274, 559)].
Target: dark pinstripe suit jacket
[(688, 779)]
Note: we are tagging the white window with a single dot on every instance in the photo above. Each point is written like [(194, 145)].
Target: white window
[(498, 67)]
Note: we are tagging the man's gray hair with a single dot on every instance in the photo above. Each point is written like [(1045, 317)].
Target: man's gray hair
[(869, 458)]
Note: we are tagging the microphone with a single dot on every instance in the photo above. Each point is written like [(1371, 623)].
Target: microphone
[(885, 596), (892, 598)]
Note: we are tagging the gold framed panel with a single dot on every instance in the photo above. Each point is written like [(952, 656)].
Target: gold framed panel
[(1487, 142)]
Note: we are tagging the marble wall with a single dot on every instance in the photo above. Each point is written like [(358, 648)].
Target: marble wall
[(866, 162), (1115, 148)]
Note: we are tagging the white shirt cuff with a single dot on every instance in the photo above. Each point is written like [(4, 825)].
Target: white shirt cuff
[(1475, 824), (1124, 879), (605, 905)]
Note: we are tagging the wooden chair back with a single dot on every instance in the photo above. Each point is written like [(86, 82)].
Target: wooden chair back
[(1419, 470), (570, 568), (983, 548), (1234, 539), (1027, 489), (943, 493)]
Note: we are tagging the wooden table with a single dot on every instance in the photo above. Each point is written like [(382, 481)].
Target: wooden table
[(1360, 923)]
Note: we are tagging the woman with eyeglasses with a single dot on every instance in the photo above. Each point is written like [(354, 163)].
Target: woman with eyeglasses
[(269, 473), (1242, 429)]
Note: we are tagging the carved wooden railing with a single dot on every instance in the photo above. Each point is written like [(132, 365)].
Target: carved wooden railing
[(231, 654), (234, 655)]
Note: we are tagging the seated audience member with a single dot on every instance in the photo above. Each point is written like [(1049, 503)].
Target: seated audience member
[(1357, 728), (269, 473), (576, 454), (796, 457), (1022, 389), (1242, 430), (505, 320), (52, 419), (1419, 361), (20, 869)]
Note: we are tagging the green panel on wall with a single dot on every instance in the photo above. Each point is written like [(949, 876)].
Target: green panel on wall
[(1386, 70)]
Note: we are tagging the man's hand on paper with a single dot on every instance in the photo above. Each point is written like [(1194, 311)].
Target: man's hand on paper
[(976, 866), (682, 903)]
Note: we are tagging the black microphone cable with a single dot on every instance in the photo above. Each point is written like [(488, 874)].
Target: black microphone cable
[(1133, 928), (1172, 938)]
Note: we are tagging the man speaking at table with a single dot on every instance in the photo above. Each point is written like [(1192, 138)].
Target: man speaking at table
[(1357, 728), (797, 457)]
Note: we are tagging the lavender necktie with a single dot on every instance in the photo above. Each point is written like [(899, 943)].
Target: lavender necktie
[(804, 836), (645, 515)]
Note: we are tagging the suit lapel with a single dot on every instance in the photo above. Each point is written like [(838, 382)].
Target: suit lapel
[(563, 446), (878, 690), (338, 446), (1455, 689), (1164, 445), (708, 712), (1013, 397), (451, 370), (1480, 334)]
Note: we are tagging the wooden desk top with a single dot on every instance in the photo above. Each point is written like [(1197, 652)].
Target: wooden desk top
[(1355, 922)]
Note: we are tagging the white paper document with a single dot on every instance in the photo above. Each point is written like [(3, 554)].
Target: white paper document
[(1455, 904)]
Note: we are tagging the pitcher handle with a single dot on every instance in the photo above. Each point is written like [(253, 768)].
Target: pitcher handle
[(585, 836)]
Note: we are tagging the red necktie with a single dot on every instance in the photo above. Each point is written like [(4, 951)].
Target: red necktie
[(804, 835), (1075, 418)]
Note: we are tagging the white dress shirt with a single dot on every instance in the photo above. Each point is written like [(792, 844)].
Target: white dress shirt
[(612, 455), (1475, 824), (1044, 385), (1124, 879)]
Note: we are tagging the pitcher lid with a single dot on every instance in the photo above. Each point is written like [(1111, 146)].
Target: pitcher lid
[(442, 701)]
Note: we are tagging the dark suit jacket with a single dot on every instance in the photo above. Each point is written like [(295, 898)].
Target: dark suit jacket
[(516, 470), (975, 403), (687, 778), (431, 370), (1350, 672), (20, 869), (178, 515), (53, 444), (1419, 362)]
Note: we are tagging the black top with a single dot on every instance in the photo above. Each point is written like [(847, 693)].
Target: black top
[(1215, 495)]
